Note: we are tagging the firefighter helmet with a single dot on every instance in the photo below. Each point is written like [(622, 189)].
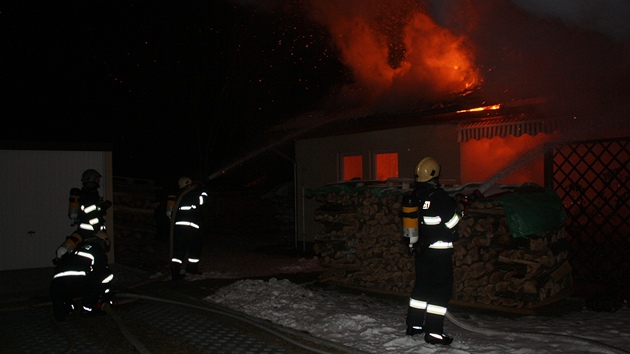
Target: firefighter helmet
[(184, 182), (427, 169), (90, 176)]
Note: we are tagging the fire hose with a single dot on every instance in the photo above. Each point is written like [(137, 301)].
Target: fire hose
[(534, 335), (260, 325)]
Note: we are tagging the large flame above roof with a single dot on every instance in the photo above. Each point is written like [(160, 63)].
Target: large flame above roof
[(397, 54)]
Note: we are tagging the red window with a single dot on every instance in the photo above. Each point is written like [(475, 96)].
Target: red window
[(351, 167), (385, 165)]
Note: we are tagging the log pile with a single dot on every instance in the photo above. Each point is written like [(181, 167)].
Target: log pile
[(361, 247), (495, 269), (135, 215)]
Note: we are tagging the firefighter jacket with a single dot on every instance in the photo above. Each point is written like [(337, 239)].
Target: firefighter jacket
[(91, 217), (87, 263), (188, 207), (437, 217)]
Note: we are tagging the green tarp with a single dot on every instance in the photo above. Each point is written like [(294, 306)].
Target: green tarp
[(532, 212)]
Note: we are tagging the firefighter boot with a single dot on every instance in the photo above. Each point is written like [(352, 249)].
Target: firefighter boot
[(175, 272), (435, 338)]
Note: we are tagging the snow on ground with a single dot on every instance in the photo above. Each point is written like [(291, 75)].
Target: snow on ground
[(376, 324)]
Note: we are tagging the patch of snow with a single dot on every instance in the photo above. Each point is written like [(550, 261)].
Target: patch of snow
[(377, 325)]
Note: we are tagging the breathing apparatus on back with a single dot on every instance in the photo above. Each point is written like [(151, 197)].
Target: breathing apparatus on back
[(410, 221)]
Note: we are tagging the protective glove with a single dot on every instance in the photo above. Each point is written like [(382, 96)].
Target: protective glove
[(106, 204)]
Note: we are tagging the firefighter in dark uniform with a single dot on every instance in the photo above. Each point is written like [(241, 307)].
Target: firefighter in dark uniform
[(87, 211), (184, 211), (83, 272), (437, 230)]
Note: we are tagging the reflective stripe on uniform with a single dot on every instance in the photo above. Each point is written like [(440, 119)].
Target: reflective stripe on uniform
[(70, 273), (85, 226), (453, 221), (187, 223), (86, 255), (441, 245), (417, 304), (432, 220), (108, 279), (436, 310), (89, 209)]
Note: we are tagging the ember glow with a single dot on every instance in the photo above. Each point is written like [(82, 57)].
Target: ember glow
[(479, 109)]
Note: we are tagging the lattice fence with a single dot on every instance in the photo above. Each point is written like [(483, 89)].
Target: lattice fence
[(591, 178)]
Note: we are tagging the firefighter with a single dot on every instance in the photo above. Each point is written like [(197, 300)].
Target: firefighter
[(83, 272), (87, 211), (433, 250), (184, 211)]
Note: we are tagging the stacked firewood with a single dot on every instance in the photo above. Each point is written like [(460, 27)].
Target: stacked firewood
[(361, 247), (496, 269), (134, 212)]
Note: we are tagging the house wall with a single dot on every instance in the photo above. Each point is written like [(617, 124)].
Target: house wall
[(318, 162), (35, 186)]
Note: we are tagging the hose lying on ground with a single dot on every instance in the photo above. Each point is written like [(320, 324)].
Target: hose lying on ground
[(125, 331), (262, 325), (534, 335)]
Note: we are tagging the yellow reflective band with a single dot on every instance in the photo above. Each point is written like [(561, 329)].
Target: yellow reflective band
[(452, 222), (432, 220), (436, 310), (441, 245), (417, 304)]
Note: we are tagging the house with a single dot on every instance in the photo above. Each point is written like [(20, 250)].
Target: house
[(35, 181), (498, 144)]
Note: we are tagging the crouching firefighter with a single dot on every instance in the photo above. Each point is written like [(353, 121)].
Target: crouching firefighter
[(430, 224), (184, 211), (83, 272)]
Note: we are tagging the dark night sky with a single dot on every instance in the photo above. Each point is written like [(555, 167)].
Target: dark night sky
[(160, 80), (188, 87)]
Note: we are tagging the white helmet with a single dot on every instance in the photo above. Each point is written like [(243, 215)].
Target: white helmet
[(184, 182), (427, 169)]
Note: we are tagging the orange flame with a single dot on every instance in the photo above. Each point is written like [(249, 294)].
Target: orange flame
[(434, 63), (479, 109)]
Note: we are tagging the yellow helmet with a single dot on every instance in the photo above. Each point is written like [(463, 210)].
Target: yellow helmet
[(427, 169), (184, 182)]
